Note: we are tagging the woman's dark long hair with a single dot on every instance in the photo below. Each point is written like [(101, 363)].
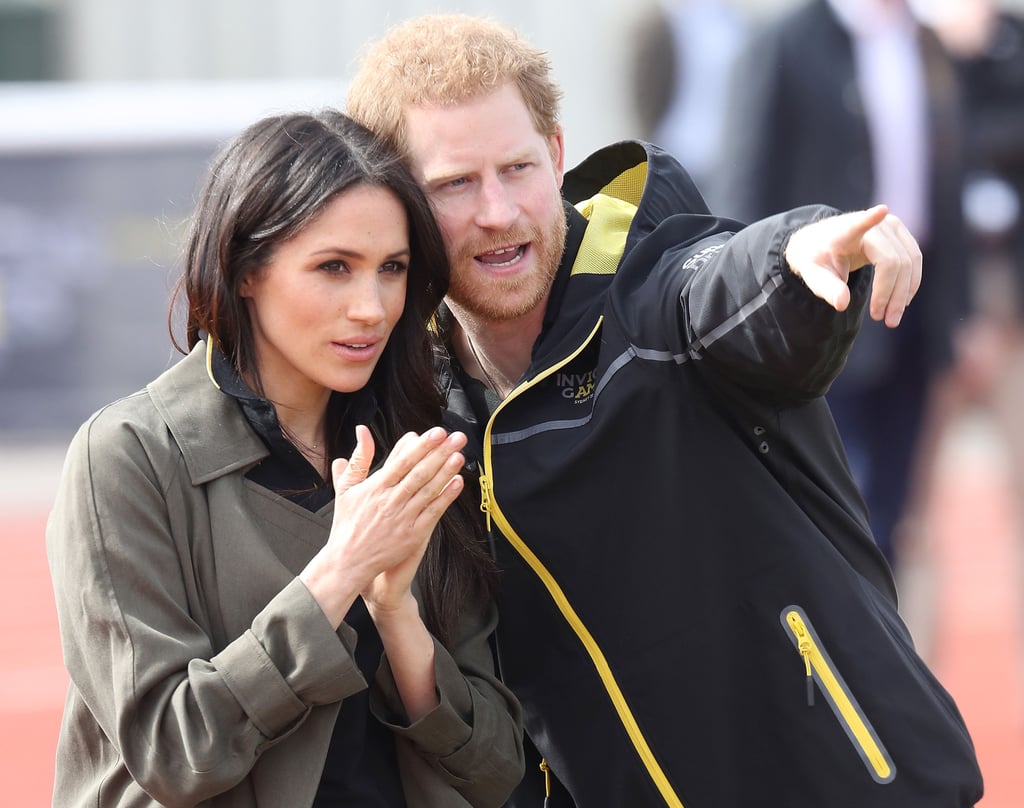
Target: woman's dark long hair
[(263, 189)]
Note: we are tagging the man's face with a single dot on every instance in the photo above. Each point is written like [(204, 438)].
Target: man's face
[(494, 184)]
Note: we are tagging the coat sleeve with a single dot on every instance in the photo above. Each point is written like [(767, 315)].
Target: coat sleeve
[(189, 720), (473, 741)]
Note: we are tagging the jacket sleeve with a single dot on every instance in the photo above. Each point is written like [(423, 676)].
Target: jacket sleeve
[(188, 719), (473, 740), (752, 320)]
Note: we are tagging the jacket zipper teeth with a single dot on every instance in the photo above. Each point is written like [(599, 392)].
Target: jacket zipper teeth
[(490, 507), (485, 496), (818, 667)]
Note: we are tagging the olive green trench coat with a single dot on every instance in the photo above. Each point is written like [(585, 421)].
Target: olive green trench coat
[(202, 670)]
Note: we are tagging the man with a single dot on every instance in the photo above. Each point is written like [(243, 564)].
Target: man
[(693, 611)]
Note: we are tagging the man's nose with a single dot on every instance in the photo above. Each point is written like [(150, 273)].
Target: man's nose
[(497, 210)]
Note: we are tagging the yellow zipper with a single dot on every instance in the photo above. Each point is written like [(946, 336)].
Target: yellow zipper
[(490, 507), (819, 668), (485, 489)]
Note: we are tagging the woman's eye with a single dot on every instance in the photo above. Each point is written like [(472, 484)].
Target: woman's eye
[(395, 267)]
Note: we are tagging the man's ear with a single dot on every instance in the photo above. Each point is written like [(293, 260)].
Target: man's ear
[(556, 143)]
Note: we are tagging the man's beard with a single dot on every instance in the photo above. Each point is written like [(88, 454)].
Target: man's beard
[(495, 298)]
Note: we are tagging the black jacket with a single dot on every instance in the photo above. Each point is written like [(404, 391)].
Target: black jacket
[(674, 519)]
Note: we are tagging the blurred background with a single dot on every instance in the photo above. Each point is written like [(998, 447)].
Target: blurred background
[(109, 113)]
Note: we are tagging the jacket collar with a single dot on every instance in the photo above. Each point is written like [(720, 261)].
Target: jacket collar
[(214, 437), (641, 175)]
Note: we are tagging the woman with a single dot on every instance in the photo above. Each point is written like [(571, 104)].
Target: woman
[(211, 579)]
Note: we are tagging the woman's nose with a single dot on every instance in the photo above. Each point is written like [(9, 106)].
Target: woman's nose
[(365, 304)]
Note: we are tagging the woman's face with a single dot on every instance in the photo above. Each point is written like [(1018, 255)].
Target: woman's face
[(323, 307)]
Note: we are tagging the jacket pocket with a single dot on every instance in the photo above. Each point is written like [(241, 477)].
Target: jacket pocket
[(822, 671)]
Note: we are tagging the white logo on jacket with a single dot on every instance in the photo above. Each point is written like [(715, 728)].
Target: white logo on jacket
[(578, 387)]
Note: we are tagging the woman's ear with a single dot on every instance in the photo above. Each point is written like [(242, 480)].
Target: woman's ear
[(245, 287)]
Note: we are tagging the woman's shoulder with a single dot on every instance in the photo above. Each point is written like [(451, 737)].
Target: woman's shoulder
[(181, 417), (134, 419), (126, 427), (154, 407)]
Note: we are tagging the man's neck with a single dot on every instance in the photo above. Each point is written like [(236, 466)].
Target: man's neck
[(497, 352)]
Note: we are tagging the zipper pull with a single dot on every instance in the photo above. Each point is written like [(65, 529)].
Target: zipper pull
[(485, 499), (803, 640), (810, 678), (547, 780)]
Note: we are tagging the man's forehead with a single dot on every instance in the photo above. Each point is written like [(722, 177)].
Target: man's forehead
[(446, 139)]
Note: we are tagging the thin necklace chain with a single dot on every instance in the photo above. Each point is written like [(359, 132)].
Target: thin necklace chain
[(300, 444), (476, 357)]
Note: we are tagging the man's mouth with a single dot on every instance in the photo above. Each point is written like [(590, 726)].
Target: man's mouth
[(505, 257)]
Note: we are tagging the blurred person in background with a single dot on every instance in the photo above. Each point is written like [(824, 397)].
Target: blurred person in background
[(678, 534), (850, 102), (682, 57), (987, 43), (227, 585)]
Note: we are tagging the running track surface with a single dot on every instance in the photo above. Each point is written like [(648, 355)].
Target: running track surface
[(967, 596)]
